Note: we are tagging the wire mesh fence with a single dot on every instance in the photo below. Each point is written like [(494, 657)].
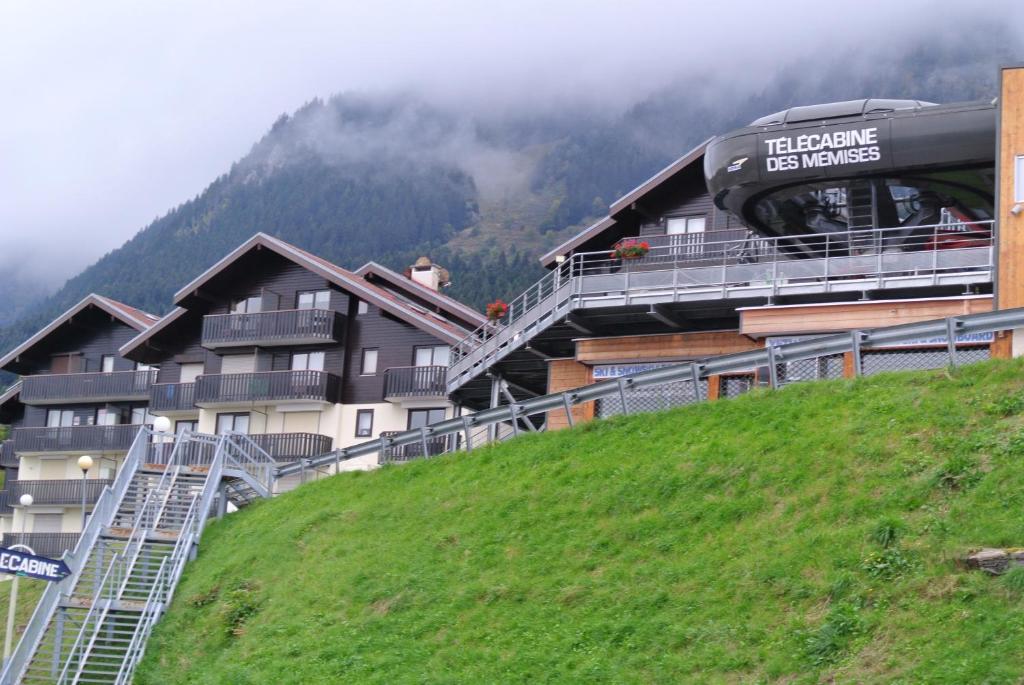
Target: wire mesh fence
[(881, 361), (652, 398)]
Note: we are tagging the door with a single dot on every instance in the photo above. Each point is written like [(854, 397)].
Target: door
[(189, 372), (686, 235), (65, 363), (238, 363)]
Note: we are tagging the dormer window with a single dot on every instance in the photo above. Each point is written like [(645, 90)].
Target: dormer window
[(686, 235)]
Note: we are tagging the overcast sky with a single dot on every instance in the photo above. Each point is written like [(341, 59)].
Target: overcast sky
[(114, 112)]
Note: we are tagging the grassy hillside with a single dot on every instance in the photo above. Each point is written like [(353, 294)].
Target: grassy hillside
[(802, 536)]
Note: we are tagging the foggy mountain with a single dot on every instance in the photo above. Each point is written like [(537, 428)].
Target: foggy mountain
[(483, 191)]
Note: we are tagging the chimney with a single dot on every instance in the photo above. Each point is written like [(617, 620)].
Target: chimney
[(425, 272)]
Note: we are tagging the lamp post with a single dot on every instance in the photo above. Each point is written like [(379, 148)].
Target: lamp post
[(84, 463), (25, 501)]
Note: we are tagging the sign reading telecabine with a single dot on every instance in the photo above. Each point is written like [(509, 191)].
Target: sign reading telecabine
[(20, 563), (814, 150)]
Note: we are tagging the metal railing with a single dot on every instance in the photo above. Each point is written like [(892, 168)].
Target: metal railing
[(280, 327), (58, 388), (75, 438), (65, 491), (946, 331), (403, 382), (267, 386), (282, 447), (752, 267), (172, 397), (43, 544)]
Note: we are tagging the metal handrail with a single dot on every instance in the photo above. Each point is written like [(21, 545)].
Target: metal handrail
[(686, 371), (97, 596), (884, 245)]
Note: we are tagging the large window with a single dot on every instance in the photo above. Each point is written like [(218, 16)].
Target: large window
[(60, 417), (236, 423), (308, 361), (364, 423), (248, 305), (314, 299), (369, 365), (424, 417), (688, 232), (435, 355)]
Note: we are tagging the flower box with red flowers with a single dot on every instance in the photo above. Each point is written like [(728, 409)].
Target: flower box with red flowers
[(496, 310), (630, 249)]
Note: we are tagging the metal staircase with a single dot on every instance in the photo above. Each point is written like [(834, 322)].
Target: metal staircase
[(93, 626)]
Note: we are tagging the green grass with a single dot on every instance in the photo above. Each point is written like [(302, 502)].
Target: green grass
[(29, 592), (801, 536)]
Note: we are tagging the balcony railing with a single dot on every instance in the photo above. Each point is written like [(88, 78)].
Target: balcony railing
[(57, 492), (75, 438), (396, 453), (751, 268), (415, 382), (283, 327), (5, 503), (172, 397), (8, 459), (58, 388), (44, 544), (293, 446), (267, 386)]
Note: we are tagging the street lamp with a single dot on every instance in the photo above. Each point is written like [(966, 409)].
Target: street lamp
[(84, 463), (25, 500), (162, 424)]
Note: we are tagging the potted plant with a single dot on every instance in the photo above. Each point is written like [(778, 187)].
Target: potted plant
[(630, 248), (496, 310)]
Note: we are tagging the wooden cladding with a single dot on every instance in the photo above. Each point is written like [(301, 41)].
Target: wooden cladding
[(848, 316), (268, 386), (1010, 287), (82, 387), (285, 327), (566, 374), (670, 347)]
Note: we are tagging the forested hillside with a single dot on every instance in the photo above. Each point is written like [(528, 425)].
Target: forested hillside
[(390, 178)]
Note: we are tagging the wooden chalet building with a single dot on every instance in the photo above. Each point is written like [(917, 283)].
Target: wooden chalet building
[(77, 396)]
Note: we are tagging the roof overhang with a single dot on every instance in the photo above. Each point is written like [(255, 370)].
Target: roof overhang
[(450, 305)]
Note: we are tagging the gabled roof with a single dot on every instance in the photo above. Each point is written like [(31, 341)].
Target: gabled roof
[(449, 304), (408, 312), (130, 316), (626, 202)]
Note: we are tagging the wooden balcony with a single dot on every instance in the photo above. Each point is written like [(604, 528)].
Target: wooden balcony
[(283, 327), (62, 388), (172, 397), (8, 459), (284, 447), (67, 491), (415, 382), (44, 544), (75, 439), (267, 386)]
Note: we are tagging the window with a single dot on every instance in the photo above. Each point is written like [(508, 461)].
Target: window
[(369, 366), (47, 523), (436, 355), (182, 426), (107, 417), (190, 371), (424, 417), (364, 423), (362, 307), (689, 235), (249, 305), (139, 366), (107, 363), (60, 417), (141, 415), (1018, 178), (316, 299), (308, 361), (235, 423)]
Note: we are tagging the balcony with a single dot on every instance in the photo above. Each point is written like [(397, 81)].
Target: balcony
[(44, 544), (8, 459), (76, 439), (57, 492), (61, 388), (284, 447), (438, 444), (415, 382), (267, 386), (172, 397), (284, 327)]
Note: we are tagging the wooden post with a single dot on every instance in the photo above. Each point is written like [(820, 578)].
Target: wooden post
[(714, 387), (849, 370)]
